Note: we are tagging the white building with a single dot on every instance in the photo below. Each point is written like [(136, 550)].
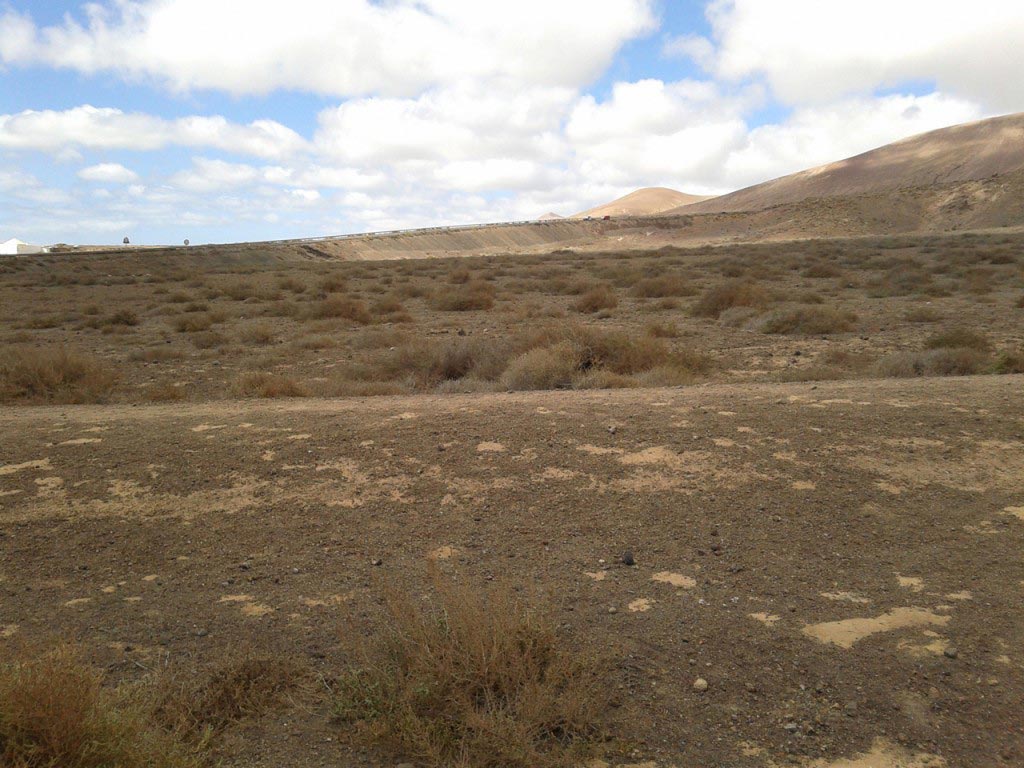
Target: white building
[(15, 247)]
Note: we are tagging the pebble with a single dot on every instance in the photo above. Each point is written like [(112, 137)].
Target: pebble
[(700, 685), (951, 653), (613, 609), (627, 559), (377, 563)]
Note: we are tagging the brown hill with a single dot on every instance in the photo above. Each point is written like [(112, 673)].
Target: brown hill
[(962, 153), (643, 202)]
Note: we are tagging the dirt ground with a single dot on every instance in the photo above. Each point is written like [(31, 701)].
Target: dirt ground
[(839, 561)]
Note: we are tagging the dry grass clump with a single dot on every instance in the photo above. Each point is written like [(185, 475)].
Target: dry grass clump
[(124, 317), (922, 315), (55, 713), (822, 270), (268, 385), (959, 338), (596, 299), (474, 677), (258, 334), (55, 375), (662, 287), (1009, 362), (193, 323), (662, 330), (717, 300), (342, 307), (244, 685), (470, 296), (808, 321), (935, 362), (1020, 303), (164, 393), (160, 354)]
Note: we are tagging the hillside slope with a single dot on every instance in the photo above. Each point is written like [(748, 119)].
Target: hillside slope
[(969, 152), (643, 202)]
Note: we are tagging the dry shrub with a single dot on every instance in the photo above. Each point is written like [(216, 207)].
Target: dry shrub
[(342, 307), (268, 385), (56, 375), (333, 283), (596, 299), (193, 323), (662, 330), (122, 317), (936, 362), (164, 393), (460, 276), (807, 320), (822, 270), (474, 678), (1010, 362), (257, 334), (728, 295), (662, 287), (922, 315), (55, 713), (208, 340), (474, 295), (959, 338), (244, 685), (545, 368)]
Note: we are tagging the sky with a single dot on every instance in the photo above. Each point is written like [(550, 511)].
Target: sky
[(222, 120)]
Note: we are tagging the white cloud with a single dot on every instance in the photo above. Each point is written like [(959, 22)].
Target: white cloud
[(334, 47), (109, 173), (105, 128), (814, 51)]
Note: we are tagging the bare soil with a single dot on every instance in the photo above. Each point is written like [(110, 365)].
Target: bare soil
[(840, 562)]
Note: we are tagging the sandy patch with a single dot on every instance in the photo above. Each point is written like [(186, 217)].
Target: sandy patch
[(443, 553), (10, 493), (845, 597), (256, 610), (1017, 512), (659, 455), (109, 590), (675, 579), (913, 583), (50, 486), (804, 485), (724, 442), (490, 448), (895, 490), (641, 605), (236, 599), (768, 619), (209, 427), (962, 595), (77, 601), (10, 469), (934, 645), (151, 578), (82, 441), (847, 632), (596, 575), (596, 450), (8, 630), (557, 473), (883, 755), (303, 436)]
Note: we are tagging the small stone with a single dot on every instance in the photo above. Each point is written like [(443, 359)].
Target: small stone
[(627, 559), (612, 430), (377, 563), (791, 727), (951, 653), (700, 685), (613, 609), (202, 632)]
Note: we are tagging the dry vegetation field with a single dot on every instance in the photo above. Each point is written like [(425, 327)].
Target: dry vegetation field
[(120, 329), (751, 506)]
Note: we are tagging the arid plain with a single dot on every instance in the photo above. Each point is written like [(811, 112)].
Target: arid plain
[(739, 498)]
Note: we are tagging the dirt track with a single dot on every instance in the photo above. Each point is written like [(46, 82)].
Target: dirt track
[(841, 562)]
